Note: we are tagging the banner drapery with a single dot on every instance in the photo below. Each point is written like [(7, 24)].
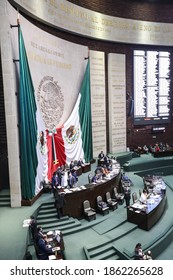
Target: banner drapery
[(28, 125)]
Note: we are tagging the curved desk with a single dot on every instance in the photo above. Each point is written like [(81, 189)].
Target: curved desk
[(74, 200), (147, 219)]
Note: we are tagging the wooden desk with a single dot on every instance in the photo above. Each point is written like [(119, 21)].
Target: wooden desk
[(86, 168), (74, 200), (146, 220), (78, 170), (100, 162)]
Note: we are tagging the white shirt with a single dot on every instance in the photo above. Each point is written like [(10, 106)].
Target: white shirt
[(64, 179), (143, 198)]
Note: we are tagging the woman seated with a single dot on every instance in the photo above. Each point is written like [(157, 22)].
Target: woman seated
[(139, 252), (144, 197)]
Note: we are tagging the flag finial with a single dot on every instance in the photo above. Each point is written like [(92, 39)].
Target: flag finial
[(18, 18), (88, 54)]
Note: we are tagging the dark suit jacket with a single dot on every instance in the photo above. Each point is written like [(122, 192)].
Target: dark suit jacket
[(43, 250), (59, 201), (55, 181)]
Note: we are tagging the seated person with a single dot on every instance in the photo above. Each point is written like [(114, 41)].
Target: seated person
[(139, 149), (101, 155), (139, 252), (106, 160), (80, 162), (157, 148), (104, 171), (98, 170), (40, 234), (109, 167), (145, 149), (148, 256), (43, 250), (102, 204), (95, 178), (143, 197)]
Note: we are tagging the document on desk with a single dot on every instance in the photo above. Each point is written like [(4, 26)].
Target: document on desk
[(52, 257), (26, 222), (56, 249)]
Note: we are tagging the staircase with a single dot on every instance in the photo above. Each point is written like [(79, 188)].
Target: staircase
[(101, 252), (5, 199), (47, 219)]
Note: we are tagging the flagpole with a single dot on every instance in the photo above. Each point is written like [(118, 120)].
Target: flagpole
[(17, 92)]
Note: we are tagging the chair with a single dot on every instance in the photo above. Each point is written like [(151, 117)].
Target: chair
[(102, 206), (90, 176), (118, 196), (89, 212), (134, 197), (112, 203)]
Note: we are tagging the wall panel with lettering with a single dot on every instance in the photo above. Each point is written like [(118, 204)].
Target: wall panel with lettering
[(117, 102), (98, 106)]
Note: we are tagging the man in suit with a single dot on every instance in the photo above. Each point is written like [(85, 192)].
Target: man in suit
[(80, 162), (95, 178), (43, 250), (71, 180), (55, 183), (59, 204), (72, 165), (101, 155), (127, 195), (33, 227)]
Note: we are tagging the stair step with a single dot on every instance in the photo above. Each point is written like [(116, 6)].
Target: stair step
[(5, 204), (4, 199), (111, 253), (54, 220), (97, 251), (61, 227), (47, 216), (4, 196), (48, 205)]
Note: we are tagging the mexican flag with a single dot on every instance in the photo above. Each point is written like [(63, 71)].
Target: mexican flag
[(27, 124), (73, 140)]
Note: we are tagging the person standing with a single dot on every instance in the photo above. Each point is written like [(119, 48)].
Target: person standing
[(59, 204), (33, 226), (101, 156), (55, 182), (64, 179), (71, 180), (127, 195)]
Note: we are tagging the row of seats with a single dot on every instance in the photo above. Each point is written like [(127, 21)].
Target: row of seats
[(103, 207)]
